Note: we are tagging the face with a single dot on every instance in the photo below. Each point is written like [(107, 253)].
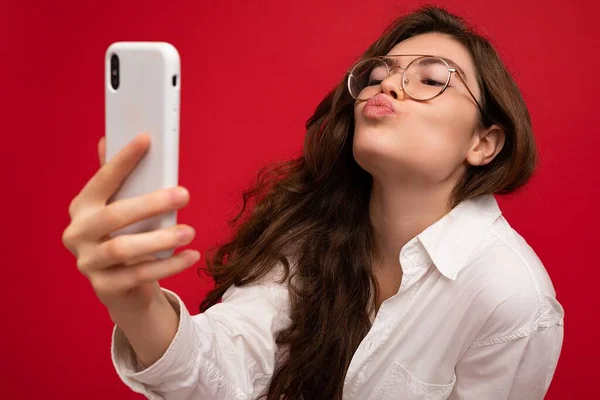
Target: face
[(425, 141)]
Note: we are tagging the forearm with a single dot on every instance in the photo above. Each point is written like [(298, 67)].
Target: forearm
[(149, 332)]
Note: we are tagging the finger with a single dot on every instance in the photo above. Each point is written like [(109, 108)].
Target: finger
[(125, 212), (102, 150), (140, 259), (121, 278), (139, 247), (112, 174)]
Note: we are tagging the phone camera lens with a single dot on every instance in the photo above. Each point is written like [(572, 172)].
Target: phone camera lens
[(114, 71)]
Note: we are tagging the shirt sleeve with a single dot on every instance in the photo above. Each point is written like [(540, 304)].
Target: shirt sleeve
[(227, 352), (515, 368)]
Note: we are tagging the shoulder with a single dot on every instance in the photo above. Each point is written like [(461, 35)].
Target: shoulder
[(269, 292), (510, 286)]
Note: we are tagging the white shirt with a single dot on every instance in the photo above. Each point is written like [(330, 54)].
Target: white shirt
[(475, 318)]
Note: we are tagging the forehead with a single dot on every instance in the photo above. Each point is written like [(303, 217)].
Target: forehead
[(438, 44)]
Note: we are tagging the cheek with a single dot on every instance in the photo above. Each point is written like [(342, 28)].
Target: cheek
[(447, 128)]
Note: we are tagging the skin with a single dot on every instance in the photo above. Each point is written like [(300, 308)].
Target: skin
[(417, 155)]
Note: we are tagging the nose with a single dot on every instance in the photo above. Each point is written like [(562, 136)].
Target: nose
[(392, 85)]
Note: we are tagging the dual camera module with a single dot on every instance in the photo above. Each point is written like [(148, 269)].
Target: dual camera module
[(115, 75), (114, 72)]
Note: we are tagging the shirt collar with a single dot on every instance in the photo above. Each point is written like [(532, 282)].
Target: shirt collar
[(449, 242)]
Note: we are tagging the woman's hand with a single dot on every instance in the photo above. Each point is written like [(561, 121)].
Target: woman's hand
[(122, 270)]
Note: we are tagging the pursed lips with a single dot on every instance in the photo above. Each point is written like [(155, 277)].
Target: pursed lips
[(379, 105)]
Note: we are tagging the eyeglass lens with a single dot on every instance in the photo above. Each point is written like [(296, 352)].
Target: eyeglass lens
[(424, 78)]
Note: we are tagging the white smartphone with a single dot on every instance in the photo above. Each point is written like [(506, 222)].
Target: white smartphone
[(142, 95)]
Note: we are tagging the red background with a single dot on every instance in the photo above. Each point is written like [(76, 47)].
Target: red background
[(252, 73)]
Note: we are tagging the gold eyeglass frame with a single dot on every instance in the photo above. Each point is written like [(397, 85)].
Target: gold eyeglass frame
[(419, 56)]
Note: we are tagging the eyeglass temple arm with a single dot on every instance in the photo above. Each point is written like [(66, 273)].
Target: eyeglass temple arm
[(467, 86)]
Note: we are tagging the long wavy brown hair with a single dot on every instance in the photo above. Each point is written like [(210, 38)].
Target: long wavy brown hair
[(317, 204)]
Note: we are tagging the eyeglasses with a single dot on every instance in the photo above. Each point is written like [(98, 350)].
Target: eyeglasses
[(424, 78)]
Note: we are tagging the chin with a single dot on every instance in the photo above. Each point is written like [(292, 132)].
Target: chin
[(372, 153), (373, 136), (389, 161)]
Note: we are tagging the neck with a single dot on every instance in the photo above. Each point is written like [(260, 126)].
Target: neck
[(398, 214)]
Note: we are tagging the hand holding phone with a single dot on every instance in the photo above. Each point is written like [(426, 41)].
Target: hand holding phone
[(122, 270)]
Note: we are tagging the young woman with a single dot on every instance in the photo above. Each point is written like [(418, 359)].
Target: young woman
[(376, 266)]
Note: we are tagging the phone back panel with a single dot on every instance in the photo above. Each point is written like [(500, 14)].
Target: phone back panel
[(146, 101)]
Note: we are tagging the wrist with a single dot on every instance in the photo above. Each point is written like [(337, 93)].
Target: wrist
[(157, 305)]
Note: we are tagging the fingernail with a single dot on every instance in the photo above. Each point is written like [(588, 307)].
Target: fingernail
[(194, 256), (184, 234), (180, 194)]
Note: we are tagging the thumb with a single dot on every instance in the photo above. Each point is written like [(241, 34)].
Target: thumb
[(102, 150)]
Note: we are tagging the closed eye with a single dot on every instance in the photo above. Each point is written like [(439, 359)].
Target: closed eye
[(432, 82)]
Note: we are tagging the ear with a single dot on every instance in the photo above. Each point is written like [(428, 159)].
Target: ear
[(486, 144)]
